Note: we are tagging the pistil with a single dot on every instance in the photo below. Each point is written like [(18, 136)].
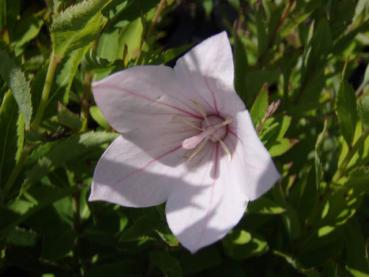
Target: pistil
[(214, 128)]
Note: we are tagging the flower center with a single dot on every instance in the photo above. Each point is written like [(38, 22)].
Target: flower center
[(215, 128)]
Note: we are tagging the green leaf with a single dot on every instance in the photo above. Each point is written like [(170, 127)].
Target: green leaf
[(317, 162), (259, 107), (116, 269), (123, 42), (346, 111), (292, 222), (356, 262), (264, 205), (241, 63), (97, 115), (77, 26), (272, 134), (241, 244), (21, 237), (254, 80), (341, 16), (363, 110), (207, 258), (342, 205), (167, 264), (64, 77), (57, 236), (26, 30), (38, 197), (11, 139), (53, 155), (134, 8), (2, 14), (321, 43), (69, 119), (141, 228), (280, 148), (291, 260), (261, 31), (16, 80)]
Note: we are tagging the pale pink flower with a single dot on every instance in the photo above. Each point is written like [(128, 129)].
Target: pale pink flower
[(187, 140)]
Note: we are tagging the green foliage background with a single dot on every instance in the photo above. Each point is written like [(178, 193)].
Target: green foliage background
[(301, 68)]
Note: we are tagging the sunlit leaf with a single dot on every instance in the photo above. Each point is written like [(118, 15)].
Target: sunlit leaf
[(77, 26)]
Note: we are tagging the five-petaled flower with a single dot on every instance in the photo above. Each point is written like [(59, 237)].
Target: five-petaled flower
[(187, 140)]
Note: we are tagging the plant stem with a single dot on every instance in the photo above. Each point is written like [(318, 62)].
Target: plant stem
[(15, 172), (85, 100), (54, 61), (158, 12)]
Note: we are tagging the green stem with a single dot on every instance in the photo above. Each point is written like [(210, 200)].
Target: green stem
[(85, 100), (15, 172), (350, 154), (54, 61)]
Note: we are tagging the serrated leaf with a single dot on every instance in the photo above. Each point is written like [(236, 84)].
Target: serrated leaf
[(77, 26), (346, 111), (16, 80), (21, 237)]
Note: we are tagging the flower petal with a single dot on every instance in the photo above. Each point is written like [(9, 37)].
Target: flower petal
[(128, 176), (142, 96), (251, 161), (211, 58), (203, 213), (207, 71)]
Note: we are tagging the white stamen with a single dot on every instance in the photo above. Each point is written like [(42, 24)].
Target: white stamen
[(200, 109), (190, 124), (197, 150)]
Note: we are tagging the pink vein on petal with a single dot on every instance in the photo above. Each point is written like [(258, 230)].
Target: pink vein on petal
[(151, 100), (233, 133), (154, 160), (207, 215)]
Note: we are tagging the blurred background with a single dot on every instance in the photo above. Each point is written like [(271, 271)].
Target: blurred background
[(301, 69)]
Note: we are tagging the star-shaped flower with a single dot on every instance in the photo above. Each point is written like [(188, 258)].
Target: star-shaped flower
[(187, 140)]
